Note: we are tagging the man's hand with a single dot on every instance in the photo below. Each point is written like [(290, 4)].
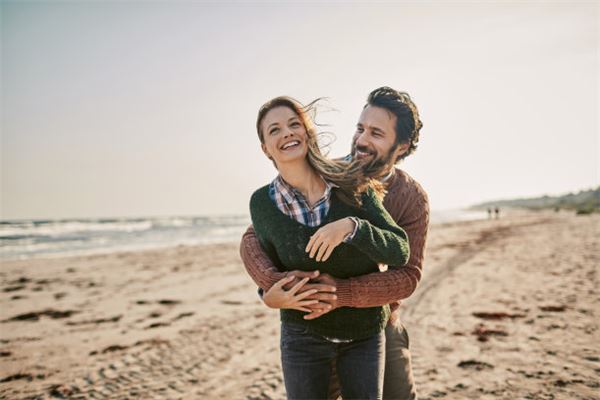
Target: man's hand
[(323, 293), (325, 304)]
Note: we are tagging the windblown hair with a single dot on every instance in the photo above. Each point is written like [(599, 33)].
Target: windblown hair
[(401, 105), (348, 176)]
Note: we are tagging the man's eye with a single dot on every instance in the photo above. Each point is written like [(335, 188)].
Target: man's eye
[(359, 130), (295, 124)]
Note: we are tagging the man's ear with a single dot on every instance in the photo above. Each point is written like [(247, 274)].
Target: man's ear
[(401, 149), (264, 149)]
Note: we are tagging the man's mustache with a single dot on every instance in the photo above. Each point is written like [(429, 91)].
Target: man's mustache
[(363, 149)]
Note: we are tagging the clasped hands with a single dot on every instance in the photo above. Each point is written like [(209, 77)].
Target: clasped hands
[(312, 292)]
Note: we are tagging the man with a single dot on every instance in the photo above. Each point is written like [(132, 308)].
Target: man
[(387, 132)]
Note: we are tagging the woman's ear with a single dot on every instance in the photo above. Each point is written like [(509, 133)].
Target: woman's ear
[(264, 149)]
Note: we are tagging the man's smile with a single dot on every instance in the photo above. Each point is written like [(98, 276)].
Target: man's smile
[(362, 152)]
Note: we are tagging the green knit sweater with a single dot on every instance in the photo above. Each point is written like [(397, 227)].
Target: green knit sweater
[(378, 240)]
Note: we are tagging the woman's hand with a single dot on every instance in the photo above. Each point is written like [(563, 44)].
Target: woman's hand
[(278, 297), (328, 237)]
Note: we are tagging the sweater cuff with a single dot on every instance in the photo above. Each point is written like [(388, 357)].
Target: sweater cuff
[(343, 291), (351, 235)]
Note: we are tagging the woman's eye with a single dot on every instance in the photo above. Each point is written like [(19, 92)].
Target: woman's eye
[(295, 124), (274, 131)]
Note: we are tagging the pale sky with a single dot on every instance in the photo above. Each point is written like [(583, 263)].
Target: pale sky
[(114, 109)]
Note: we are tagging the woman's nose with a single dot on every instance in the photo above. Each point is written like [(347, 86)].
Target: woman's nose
[(288, 132)]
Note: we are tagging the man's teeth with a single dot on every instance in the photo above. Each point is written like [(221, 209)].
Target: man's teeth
[(290, 144)]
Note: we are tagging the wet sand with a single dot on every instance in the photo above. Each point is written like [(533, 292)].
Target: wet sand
[(506, 309)]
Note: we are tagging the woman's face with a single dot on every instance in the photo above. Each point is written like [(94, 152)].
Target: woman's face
[(284, 136)]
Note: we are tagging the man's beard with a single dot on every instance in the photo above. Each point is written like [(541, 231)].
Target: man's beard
[(377, 167)]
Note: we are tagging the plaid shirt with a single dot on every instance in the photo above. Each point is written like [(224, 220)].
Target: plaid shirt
[(293, 203)]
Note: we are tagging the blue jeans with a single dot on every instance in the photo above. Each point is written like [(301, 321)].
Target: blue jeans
[(306, 360)]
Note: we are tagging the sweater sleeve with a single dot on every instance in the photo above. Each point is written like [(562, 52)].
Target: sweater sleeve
[(378, 236), (411, 211), (257, 263)]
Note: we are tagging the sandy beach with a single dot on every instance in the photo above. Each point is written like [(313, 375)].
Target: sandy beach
[(507, 309)]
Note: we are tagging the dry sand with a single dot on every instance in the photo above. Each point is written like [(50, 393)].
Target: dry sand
[(507, 309)]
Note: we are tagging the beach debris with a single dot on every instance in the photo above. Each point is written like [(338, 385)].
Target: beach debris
[(231, 302), (153, 342), (35, 315), (59, 295), (563, 383), (114, 347), (483, 333), (109, 349), (168, 302), (14, 288), (496, 315), (63, 391), (116, 318), (22, 279), (553, 308), (22, 376), (5, 354), (183, 315), (474, 364), (157, 325)]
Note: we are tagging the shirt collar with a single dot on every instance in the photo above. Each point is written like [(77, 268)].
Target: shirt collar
[(289, 193)]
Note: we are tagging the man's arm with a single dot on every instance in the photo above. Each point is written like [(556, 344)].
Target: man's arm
[(258, 265), (265, 274)]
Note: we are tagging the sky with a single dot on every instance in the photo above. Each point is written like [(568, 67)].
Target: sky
[(130, 109)]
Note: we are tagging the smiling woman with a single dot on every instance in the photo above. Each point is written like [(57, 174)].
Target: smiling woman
[(285, 138), (322, 214)]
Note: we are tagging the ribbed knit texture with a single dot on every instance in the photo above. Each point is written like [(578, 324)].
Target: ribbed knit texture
[(408, 205), (379, 239)]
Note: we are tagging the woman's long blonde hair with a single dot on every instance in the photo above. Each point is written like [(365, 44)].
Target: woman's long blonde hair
[(351, 177)]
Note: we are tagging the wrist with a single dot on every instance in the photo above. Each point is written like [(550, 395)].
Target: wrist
[(353, 227), (343, 291)]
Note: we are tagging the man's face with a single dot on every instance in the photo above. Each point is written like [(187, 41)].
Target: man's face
[(375, 137)]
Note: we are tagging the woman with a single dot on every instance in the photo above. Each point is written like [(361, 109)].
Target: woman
[(323, 214)]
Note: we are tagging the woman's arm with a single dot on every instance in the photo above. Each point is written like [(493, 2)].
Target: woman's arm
[(377, 235)]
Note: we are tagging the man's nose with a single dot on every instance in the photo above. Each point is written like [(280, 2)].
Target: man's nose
[(360, 139)]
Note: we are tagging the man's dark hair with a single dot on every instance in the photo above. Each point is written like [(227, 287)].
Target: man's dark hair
[(401, 105)]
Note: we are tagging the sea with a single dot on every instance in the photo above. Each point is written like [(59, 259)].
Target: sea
[(37, 238)]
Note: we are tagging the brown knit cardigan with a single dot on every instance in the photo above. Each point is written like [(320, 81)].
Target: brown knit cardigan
[(407, 203)]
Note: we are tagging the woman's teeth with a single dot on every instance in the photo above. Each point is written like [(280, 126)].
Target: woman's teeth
[(290, 144)]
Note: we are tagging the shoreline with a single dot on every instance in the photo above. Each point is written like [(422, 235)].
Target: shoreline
[(136, 248), (183, 322)]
